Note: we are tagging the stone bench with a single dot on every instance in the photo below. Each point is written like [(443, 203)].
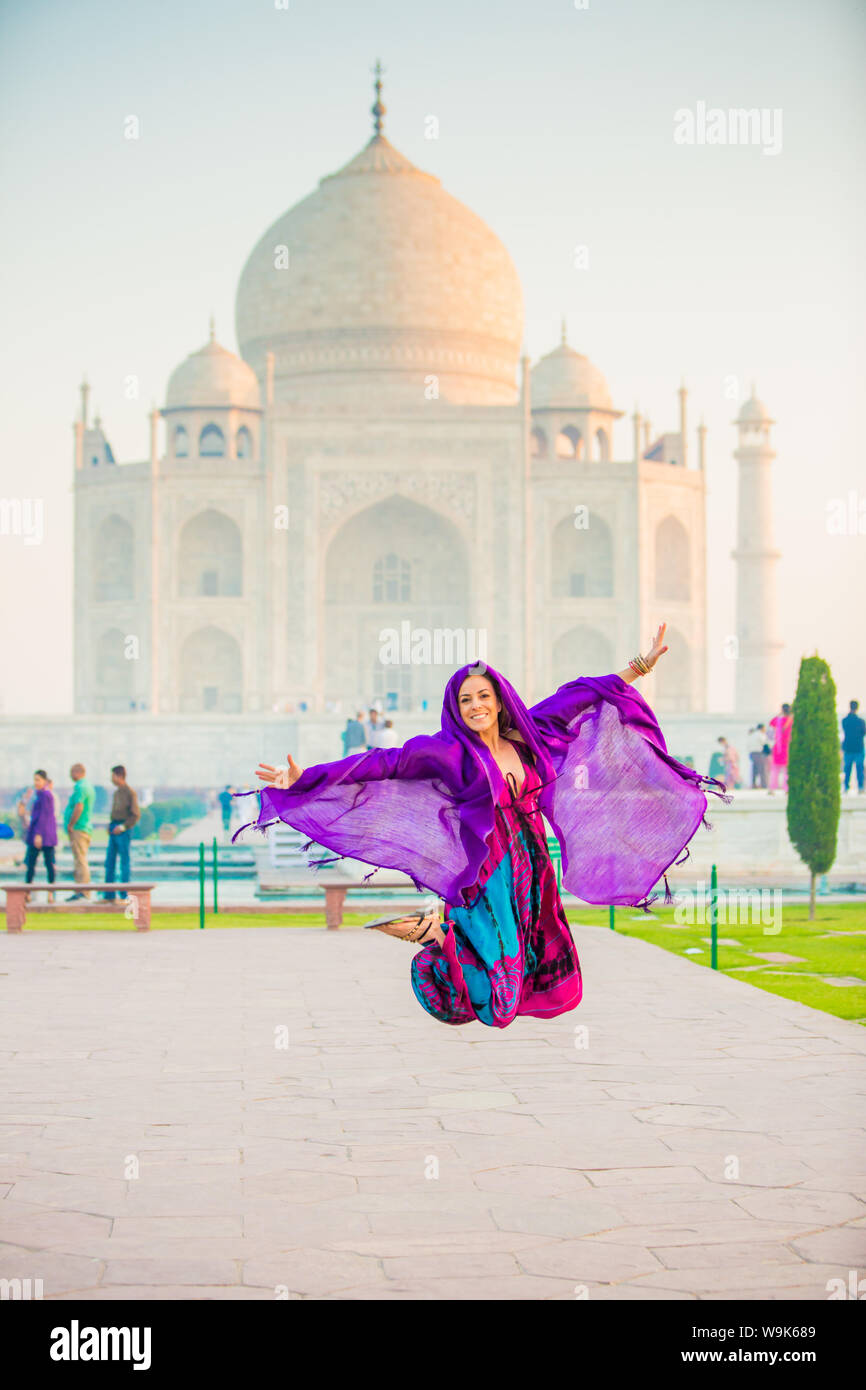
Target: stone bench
[(16, 900), (335, 897)]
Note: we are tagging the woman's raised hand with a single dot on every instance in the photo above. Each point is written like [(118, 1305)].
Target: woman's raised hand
[(657, 647), (279, 777)]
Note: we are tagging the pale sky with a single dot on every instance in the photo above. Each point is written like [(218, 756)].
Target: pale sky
[(708, 263)]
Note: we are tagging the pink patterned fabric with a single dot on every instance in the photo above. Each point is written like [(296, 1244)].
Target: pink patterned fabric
[(509, 951)]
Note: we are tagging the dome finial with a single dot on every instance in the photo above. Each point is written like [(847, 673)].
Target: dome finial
[(564, 341), (378, 109), (212, 330)]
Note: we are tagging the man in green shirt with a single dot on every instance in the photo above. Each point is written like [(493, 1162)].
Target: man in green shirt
[(78, 821)]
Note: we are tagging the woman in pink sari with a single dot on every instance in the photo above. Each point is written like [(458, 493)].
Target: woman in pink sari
[(781, 725)]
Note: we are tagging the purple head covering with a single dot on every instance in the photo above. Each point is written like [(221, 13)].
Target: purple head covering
[(621, 807)]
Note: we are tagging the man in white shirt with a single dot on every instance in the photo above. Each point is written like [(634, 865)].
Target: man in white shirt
[(757, 743), (389, 735), (374, 729)]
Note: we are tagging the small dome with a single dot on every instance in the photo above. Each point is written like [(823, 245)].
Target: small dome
[(754, 412), (566, 380), (212, 377)]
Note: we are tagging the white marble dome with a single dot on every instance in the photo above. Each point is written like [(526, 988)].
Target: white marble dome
[(565, 379), (212, 377), (378, 280), (754, 412)]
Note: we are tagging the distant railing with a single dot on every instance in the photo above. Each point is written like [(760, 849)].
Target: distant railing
[(554, 850)]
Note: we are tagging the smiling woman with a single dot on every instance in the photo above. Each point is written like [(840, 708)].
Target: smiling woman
[(462, 812)]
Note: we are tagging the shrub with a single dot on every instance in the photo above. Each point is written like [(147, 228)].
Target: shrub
[(178, 811)]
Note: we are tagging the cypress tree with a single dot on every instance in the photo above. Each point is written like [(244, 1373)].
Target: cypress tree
[(814, 767)]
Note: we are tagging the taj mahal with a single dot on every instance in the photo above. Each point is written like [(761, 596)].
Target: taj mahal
[(381, 457)]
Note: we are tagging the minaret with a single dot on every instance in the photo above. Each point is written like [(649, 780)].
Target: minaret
[(758, 680), (80, 425), (684, 441)]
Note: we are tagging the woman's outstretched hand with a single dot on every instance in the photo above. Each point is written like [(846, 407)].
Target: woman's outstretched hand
[(657, 648), (279, 777)]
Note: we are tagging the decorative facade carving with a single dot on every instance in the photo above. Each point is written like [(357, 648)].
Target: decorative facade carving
[(342, 491)]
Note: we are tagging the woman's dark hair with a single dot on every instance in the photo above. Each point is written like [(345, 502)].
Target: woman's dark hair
[(786, 709), (40, 773), (505, 720)]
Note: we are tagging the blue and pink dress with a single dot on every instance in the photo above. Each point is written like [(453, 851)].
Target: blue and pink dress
[(509, 951)]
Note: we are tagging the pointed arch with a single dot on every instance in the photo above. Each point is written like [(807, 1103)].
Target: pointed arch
[(210, 557), (395, 562), (244, 443), (601, 446), (570, 443), (114, 688), (114, 560), (212, 442), (538, 443), (673, 563), (582, 559)]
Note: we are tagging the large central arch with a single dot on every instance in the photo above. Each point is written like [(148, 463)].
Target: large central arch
[(397, 562)]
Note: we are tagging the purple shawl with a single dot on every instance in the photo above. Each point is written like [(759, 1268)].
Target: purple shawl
[(620, 806)]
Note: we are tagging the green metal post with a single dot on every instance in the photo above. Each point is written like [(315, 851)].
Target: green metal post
[(610, 916), (714, 919), (215, 876), (201, 884)]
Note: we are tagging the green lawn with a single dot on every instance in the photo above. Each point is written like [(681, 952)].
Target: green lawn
[(831, 947)]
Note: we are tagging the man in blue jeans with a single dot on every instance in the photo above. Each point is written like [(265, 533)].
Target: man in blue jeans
[(124, 815)]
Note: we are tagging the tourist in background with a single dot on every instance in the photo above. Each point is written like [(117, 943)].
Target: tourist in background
[(354, 740), (731, 763), (22, 812), (780, 727), (853, 742), (225, 801), (374, 728), (78, 821), (390, 737), (41, 830), (759, 751), (124, 815)]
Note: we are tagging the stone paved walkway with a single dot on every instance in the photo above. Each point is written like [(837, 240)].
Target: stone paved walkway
[(157, 1140)]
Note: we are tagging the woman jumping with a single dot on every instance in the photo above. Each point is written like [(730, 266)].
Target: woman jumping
[(462, 813)]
